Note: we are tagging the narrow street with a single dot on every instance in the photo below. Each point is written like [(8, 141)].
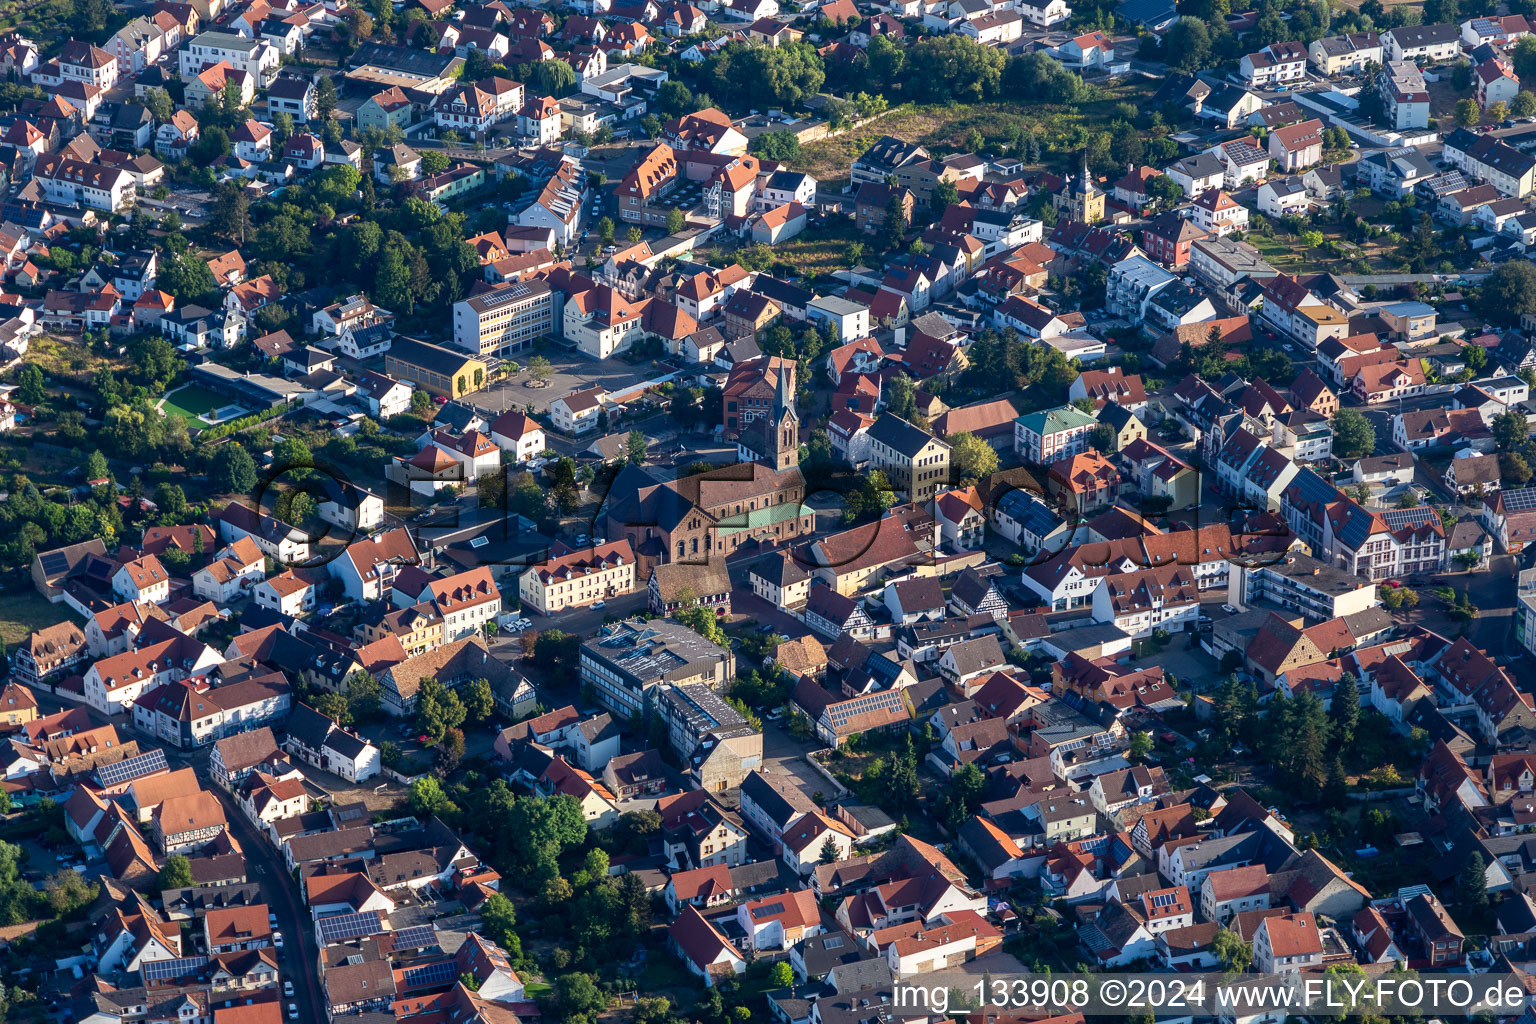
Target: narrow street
[(297, 961)]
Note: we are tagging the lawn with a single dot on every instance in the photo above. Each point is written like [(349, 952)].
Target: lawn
[(190, 402), (813, 253), (24, 612), (69, 361), (944, 127), (1286, 253)]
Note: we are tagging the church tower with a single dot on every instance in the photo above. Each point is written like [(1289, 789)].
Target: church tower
[(1081, 200), (786, 423)]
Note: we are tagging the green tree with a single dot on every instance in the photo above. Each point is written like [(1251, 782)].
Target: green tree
[(901, 396), (1187, 46), (539, 369), (68, 891), (971, 458), (1524, 103), (894, 228), (232, 470), (479, 702), (229, 216), (1498, 111), (576, 995), (1509, 292), (1235, 954), (96, 466), (325, 98), (171, 500), (944, 195), (965, 789), (555, 77), (335, 707), (158, 102), (779, 145), (829, 852), (30, 387), (426, 797), (186, 277), (544, 828), (704, 622), (1467, 113), (364, 696), (433, 161), (605, 230), (634, 445), (1141, 746), (1344, 709), (175, 873), (438, 709), (781, 975), (1353, 435), (1514, 468), (676, 222), (1472, 883), (954, 68), (498, 919), (1510, 431)]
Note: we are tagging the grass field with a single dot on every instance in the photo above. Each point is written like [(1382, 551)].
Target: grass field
[(24, 612), (191, 401), (813, 253), (944, 127), (61, 359)]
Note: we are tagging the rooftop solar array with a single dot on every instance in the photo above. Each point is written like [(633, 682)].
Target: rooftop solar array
[(166, 970), (1397, 518), (341, 927), (438, 973), (1522, 500), (416, 936), (132, 768)]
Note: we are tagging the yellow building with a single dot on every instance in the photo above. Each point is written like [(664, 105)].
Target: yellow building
[(17, 705), (419, 628), (1081, 199), (438, 370), (579, 578)]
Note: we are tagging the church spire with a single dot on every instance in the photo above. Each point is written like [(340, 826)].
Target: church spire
[(784, 399)]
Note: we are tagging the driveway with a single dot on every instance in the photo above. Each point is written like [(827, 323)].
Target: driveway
[(298, 961)]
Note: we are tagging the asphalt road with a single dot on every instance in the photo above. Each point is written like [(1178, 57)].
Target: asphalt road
[(299, 959)]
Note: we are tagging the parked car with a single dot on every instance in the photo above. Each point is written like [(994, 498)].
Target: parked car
[(293, 1011), (288, 989)]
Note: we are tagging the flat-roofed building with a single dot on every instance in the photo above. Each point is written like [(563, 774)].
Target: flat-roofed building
[(505, 319)]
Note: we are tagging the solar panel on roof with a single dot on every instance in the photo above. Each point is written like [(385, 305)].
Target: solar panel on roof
[(341, 927), (432, 974), (1522, 500), (415, 937), (162, 970), (1400, 517), (132, 768), (54, 561)]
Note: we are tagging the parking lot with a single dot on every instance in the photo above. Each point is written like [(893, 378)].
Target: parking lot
[(568, 371)]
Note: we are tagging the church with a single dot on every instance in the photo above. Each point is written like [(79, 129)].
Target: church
[(715, 513), (1081, 200)]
